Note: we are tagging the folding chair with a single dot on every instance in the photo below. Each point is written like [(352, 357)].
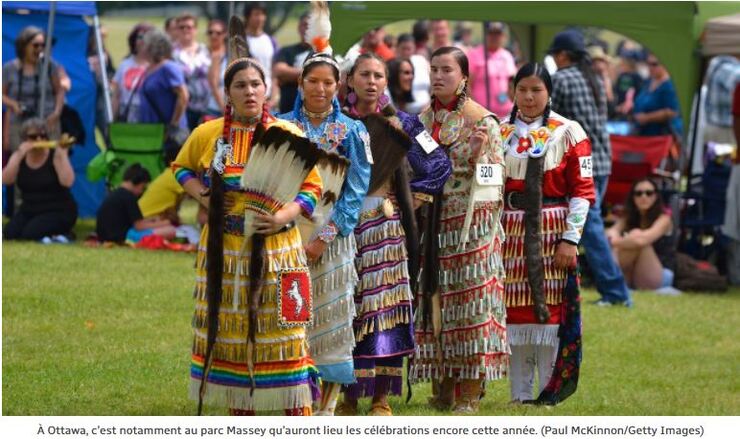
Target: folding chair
[(637, 157), (135, 143)]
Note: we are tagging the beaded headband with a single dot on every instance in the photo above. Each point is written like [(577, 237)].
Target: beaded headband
[(251, 61)]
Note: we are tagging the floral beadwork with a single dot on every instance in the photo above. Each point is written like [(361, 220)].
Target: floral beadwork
[(336, 132)]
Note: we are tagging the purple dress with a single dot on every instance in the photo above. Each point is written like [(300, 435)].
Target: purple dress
[(383, 326)]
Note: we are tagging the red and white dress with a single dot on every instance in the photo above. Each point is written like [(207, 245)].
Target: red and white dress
[(567, 192)]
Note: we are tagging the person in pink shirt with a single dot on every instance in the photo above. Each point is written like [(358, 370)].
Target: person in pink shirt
[(501, 68)]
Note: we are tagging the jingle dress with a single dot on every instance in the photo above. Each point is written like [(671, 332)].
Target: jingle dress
[(384, 324), (567, 191), (470, 278), (285, 375), (333, 276)]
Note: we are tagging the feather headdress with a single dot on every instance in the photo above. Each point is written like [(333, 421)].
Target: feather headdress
[(318, 33)]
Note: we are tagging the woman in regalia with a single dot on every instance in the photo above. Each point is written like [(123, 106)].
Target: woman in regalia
[(461, 322), (549, 188), (331, 251), (269, 367), (387, 238)]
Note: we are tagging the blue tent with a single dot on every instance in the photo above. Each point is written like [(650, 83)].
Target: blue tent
[(71, 33)]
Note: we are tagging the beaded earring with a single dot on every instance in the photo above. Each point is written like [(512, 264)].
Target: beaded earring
[(352, 98), (461, 87)]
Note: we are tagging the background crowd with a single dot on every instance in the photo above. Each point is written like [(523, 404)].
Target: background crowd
[(174, 76)]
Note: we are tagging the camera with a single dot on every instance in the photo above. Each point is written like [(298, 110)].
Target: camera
[(27, 112)]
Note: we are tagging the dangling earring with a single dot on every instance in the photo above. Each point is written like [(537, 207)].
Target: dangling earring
[(549, 102), (352, 98), (383, 101), (460, 87)]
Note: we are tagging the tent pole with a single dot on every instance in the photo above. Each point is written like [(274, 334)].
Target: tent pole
[(485, 69), (103, 70), (47, 56)]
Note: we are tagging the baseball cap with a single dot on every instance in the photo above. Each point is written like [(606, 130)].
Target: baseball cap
[(569, 40)]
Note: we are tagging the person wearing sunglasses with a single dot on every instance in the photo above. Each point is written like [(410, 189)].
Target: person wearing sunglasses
[(44, 176), (642, 240), (656, 109)]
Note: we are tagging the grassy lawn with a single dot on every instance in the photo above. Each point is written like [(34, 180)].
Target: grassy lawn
[(107, 332)]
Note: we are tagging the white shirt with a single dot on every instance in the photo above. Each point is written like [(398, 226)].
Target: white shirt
[(262, 49), (420, 86)]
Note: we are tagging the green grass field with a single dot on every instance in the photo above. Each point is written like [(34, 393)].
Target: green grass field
[(107, 332)]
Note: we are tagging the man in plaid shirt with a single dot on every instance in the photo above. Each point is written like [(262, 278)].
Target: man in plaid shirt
[(575, 87)]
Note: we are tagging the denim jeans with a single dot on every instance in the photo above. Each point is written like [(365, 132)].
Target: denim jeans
[(606, 273)]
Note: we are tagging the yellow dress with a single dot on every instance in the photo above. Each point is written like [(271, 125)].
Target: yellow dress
[(285, 376)]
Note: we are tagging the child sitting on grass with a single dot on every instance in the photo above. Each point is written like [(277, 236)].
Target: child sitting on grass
[(119, 218)]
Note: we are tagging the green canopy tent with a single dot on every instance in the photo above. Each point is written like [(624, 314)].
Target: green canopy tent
[(668, 29)]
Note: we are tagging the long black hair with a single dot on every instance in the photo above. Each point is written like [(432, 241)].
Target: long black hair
[(538, 70), (582, 61), (400, 97)]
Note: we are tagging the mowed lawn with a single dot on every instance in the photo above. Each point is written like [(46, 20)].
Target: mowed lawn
[(107, 332)]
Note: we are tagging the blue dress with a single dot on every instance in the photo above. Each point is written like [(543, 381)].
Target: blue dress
[(334, 277)]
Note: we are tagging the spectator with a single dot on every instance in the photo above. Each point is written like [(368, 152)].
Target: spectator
[(656, 109), (162, 197), (44, 176), (163, 94), (390, 42), (464, 36), (196, 60), (262, 46), (23, 81), (601, 65), (440, 30), (420, 32), (501, 68), (129, 76), (287, 68), (643, 241), (171, 29), (731, 226), (400, 82), (119, 218), (579, 95), (627, 84), (372, 42), (22, 85), (405, 46), (420, 61), (216, 33), (217, 99)]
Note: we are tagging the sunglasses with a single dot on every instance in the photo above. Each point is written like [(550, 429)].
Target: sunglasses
[(653, 64), (215, 32), (185, 27), (36, 136), (38, 45), (648, 193)]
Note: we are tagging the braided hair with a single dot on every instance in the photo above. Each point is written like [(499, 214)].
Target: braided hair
[(538, 70)]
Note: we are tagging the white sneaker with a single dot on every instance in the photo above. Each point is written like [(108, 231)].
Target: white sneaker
[(46, 240), (61, 239), (668, 291)]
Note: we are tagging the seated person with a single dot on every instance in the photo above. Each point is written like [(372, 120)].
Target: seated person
[(163, 196), (44, 176), (119, 217), (642, 240)]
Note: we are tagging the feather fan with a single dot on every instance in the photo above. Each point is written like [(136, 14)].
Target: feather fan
[(319, 27), (332, 169)]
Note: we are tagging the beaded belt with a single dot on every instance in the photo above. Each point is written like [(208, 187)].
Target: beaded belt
[(515, 200), (234, 225)]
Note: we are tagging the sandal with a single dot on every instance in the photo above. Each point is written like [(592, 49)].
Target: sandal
[(381, 409)]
